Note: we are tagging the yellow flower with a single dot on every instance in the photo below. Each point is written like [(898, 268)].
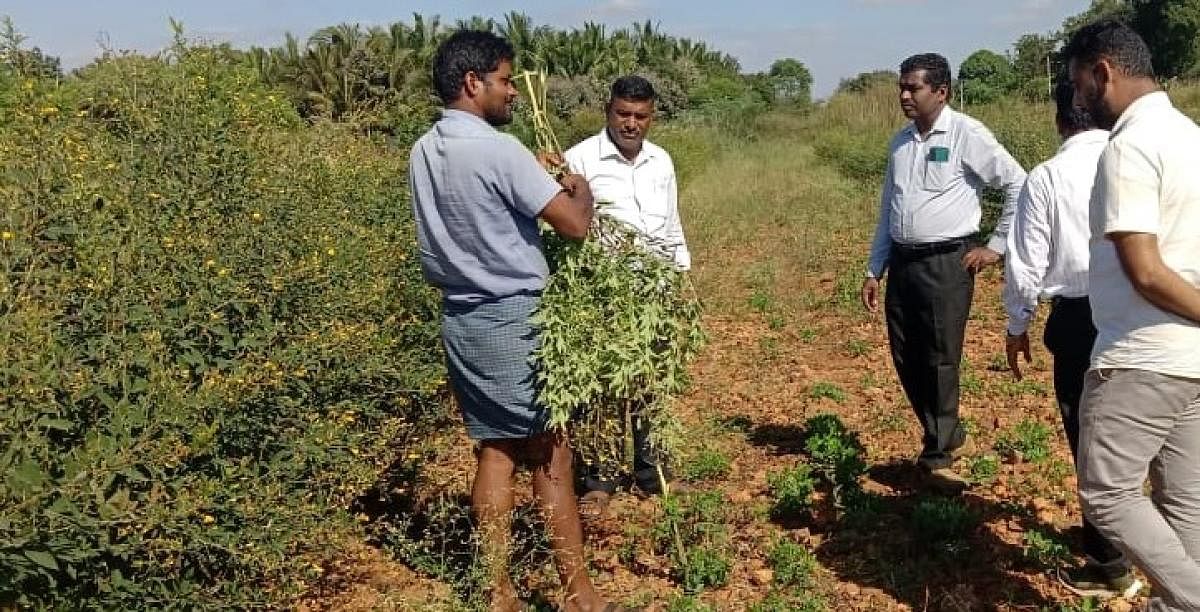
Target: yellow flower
[(208, 519), (210, 263), (7, 235), (257, 216), (223, 272), (154, 195), (330, 251)]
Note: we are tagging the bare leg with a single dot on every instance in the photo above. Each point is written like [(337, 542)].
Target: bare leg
[(550, 460), (492, 505)]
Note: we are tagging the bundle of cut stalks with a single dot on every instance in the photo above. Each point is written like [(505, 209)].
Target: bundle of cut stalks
[(618, 325)]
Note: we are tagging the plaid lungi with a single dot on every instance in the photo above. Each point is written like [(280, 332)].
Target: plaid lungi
[(489, 349)]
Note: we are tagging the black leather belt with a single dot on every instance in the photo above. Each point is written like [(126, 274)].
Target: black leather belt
[(925, 249)]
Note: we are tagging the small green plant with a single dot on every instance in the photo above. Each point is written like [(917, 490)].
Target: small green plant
[(891, 420), (983, 469), (998, 362), (1044, 550), (760, 300), (776, 322), (688, 603), (822, 388), (942, 519), (769, 346), (1056, 470), (793, 565), (692, 530), (807, 335), (708, 464), (834, 451), (970, 384), (792, 489), (1028, 386), (970, 426), (862, 509), (857, 348), (790, 601), (706, 566), (1028, 441)]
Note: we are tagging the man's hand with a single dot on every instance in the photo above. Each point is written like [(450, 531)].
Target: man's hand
[(573, 183), (870, 295), (1014, 346), (979, 258), (551, 161)]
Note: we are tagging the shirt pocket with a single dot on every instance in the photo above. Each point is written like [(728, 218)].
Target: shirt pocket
[(938, 174)]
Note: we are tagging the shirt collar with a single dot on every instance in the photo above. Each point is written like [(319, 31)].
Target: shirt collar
[(1148, 103), (941, 124), (459, 116), (1091, 136), (609, 149)]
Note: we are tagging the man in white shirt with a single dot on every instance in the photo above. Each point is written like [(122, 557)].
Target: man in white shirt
[(1048, 259), (937, 168), (1141, 407), (632, 180)]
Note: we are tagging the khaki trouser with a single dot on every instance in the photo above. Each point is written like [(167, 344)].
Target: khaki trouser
[(1137, 423)]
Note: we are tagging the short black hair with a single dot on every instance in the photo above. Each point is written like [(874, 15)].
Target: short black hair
[(466, 51), (1068, 115), (937, 69), (632, 87), (1114, 40)]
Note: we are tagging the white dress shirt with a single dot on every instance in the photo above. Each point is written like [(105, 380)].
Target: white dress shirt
[(1148, 182), (926, 199), (1048, 243), (641, 192)]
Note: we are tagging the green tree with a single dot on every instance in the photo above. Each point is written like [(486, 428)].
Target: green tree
[(868, 80), (1172, 29), (984, 76), (21, 62), (790, 81), (1034, 63), (1100, 9)]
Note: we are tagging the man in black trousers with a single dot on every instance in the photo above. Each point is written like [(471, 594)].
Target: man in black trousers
[(1048, 260), (930, 209)]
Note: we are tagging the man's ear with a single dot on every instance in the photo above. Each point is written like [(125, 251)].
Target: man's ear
[(1103, 72), (471, 84)]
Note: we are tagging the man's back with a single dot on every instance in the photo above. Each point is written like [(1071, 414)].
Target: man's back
[(1148, 183), (476, 197)]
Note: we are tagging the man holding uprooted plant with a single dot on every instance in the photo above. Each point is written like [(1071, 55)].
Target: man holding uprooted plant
[(930, 209), (477, 195), (635, 180)]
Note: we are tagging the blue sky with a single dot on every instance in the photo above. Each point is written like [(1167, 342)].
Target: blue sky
[(835, 38)]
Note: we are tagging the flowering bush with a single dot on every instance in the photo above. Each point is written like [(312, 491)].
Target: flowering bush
[(213, 335)]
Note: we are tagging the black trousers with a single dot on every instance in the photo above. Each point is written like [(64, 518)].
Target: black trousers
[(645, 465), (1069, 337), (927, 301)]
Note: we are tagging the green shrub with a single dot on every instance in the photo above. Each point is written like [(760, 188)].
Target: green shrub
[(708, 464), (826, 389), (792, 489), (1043, 550), (792, 564), (834, 450), (692, 531), (983, 469), (1029, 441), (706, 566), (942, 519), (788, 601), (214, 334)]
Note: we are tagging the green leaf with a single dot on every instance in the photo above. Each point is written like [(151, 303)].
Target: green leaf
[(43, 559)]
